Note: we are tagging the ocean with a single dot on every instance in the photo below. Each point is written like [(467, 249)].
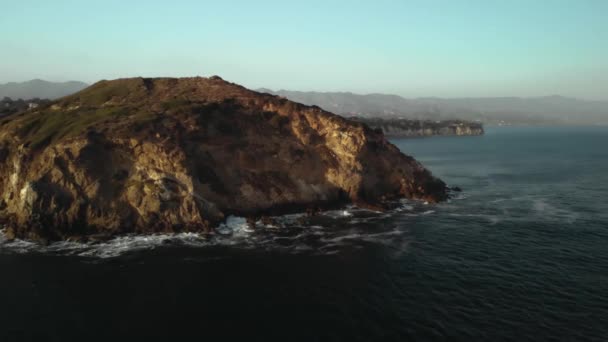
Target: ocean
[(521, 254)]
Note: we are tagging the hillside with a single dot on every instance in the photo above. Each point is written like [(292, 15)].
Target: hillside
[(167, 155)]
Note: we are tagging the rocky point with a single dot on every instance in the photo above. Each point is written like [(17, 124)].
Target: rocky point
[(167, 155)]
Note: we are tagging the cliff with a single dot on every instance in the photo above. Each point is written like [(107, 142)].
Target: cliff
[(420, 128), (168, 155)]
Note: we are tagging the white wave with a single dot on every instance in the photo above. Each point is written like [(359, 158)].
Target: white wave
[(303, 248), (122, 245), (287, 232), (492, 219), (337, 213), (106, 249), (460, 196), (341, 238), (550, 211), (16, 246), (346, 213), (362, 236), (404, 207), (234, 225)]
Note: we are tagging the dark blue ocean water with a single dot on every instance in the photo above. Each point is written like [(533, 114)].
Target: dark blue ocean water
[(520, 255)]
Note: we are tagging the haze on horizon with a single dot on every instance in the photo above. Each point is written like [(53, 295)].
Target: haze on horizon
[(413, 49)]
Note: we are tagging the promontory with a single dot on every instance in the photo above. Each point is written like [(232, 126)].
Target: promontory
[(145, 155)]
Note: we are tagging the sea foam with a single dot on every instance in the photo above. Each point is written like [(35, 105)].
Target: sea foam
[(295, 233)]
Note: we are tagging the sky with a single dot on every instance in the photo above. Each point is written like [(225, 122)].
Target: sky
[(449, 48)]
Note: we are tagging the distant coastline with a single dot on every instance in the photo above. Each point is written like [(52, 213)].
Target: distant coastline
[(423, 128)]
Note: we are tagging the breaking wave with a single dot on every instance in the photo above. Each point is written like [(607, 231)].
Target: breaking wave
[(330, 232), (326, 233)]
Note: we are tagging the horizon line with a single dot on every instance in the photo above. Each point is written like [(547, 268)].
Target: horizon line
[(88, 84)]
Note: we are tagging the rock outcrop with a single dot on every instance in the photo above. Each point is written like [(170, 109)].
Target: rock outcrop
[(167, 155), (421, 128)]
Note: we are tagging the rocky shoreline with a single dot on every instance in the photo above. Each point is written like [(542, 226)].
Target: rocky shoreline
[(173, 155)]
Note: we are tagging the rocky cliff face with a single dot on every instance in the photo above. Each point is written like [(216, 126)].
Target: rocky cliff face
[(420, 128), (167, 155)]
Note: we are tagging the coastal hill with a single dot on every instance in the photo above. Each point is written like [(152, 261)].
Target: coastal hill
[(147, 155)]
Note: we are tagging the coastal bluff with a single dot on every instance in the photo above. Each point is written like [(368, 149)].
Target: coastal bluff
[(150, 155), (406, 128)]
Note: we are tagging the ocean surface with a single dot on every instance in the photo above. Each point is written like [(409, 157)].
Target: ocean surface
[(520, 255)]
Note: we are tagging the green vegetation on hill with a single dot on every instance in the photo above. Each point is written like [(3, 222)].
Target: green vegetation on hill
[(52, 125), (103, 91), (104, 104)]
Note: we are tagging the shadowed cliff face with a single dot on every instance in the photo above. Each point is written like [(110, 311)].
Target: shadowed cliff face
[(163, 155)]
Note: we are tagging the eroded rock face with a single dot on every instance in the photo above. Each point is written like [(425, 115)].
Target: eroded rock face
[(165, 155)]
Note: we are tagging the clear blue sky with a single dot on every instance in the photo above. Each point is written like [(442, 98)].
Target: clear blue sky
[(450, 48)]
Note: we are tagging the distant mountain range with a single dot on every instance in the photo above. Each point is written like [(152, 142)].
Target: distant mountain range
[(39, 89), (491, 110)]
